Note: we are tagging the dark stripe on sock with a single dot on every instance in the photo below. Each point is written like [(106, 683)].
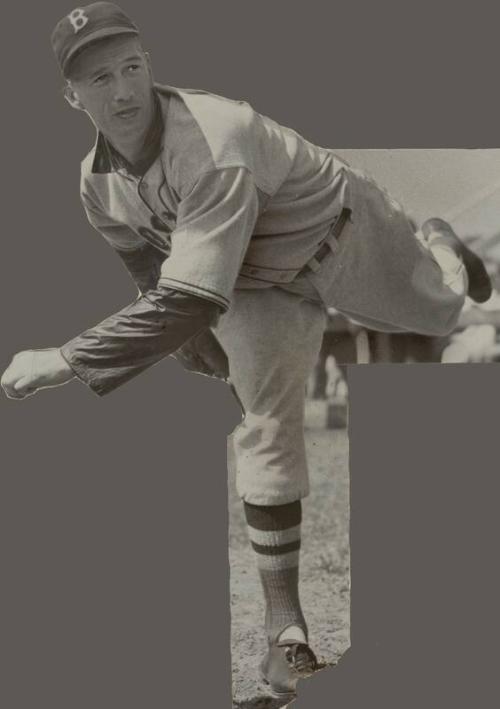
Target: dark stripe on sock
[(273, 518), (276, 550)]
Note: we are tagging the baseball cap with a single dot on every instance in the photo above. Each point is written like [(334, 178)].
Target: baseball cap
[(84, 25)]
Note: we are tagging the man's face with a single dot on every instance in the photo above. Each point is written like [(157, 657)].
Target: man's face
[(112, 81)]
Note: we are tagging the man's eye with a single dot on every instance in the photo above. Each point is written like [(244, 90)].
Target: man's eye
[(133, 68), (100, 79)]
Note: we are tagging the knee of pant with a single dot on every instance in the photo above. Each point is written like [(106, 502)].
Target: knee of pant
[(442, 321)]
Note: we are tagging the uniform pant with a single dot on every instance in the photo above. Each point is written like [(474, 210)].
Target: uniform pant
[(380, 274), (272, 339)]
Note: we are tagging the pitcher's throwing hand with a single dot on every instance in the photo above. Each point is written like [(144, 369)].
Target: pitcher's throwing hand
[(35, 369)]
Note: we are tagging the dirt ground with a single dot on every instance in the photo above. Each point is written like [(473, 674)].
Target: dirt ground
[(324, 566)]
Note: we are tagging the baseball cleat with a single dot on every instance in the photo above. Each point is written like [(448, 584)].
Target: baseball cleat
[(480, 288), (284, 664)]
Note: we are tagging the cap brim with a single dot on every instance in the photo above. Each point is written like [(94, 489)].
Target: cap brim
[(94, 36)]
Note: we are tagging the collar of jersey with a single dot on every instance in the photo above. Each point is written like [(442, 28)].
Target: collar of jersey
[(107, 159)]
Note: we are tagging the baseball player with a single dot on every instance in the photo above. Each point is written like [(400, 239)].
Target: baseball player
[(238, 233)]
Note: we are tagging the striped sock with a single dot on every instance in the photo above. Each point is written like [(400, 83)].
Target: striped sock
[(274, 533)]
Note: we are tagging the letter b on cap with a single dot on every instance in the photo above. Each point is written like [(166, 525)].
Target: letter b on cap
[(78, 19)]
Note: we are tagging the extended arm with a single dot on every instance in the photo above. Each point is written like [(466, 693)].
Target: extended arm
[(214, 227), (117, 349), (140, 335)]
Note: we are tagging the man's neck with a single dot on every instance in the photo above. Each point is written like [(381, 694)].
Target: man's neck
[(142, 154), (130, 153)]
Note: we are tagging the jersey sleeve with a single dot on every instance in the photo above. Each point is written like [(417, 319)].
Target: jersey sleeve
[(128, 342), (215, 222)]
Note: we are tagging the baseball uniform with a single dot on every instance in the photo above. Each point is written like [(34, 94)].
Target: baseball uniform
[(232, 213)]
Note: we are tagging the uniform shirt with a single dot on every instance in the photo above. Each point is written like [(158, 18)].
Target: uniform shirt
[(233, 199)]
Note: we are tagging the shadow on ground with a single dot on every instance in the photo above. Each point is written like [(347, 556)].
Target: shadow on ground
[(260, 703), (266, 702)]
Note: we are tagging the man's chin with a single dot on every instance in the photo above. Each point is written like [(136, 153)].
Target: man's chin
[(121, 128)]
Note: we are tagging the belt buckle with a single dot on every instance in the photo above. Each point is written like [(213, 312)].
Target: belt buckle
[(330, 243)]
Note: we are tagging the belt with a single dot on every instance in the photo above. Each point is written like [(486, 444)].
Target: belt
[(330, 244), (281, 276)]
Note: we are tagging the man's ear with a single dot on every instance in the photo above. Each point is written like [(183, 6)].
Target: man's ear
[(72, 98), (148, 61)]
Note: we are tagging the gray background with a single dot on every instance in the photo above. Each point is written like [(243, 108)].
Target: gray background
[(113, 512)]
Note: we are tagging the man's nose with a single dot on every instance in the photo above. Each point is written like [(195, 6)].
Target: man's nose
[(122, 90)]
